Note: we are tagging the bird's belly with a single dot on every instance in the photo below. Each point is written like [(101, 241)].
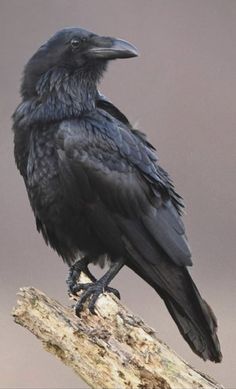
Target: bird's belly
[(62, 220), (69, 231)]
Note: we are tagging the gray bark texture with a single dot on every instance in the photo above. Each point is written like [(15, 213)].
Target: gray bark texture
[(110, 350)]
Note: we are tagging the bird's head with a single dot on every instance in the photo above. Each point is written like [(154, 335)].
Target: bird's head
[(73, 50)]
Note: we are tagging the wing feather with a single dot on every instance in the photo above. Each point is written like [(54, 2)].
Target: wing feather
[(128, 181)]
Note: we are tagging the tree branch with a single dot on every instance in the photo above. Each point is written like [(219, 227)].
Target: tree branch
[(113, 349)]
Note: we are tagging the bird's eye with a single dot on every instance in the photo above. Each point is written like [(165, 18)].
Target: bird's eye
[(75, 43)]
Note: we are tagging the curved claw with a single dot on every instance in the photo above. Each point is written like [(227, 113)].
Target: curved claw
[(89, 290), (92, 303), (93, 291), (114, 291), (78, 287), (74, 273)]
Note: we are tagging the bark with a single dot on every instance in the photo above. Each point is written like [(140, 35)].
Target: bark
[(113, 349)]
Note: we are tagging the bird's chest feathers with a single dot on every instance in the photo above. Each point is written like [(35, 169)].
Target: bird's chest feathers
[(42, 170)]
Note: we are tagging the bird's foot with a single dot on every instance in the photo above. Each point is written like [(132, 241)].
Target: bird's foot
[(92, 291), (74, 273)]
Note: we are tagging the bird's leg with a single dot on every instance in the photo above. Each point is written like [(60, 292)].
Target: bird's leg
[(81, 265), (100, 286)]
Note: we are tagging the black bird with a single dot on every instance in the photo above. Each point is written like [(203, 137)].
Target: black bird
[(95, 185)]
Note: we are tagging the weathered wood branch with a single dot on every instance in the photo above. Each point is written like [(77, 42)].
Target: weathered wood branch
[(113, 349)]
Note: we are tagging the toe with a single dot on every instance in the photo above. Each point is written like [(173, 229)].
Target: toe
[(79, 305), (114, 291), (92, 292), (92, 303), (74, 289)]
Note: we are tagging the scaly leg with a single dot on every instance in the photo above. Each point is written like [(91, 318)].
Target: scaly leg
[(100, 286), (81, 265)]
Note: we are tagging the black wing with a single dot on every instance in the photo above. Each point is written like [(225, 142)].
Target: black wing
[(121, 177), (122, 169), (102, 102), (105, 104)]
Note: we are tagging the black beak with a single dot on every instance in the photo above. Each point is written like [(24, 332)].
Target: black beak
[(110, 48)]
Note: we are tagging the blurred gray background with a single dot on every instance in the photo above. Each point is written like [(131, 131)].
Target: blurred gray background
[(182, 92)]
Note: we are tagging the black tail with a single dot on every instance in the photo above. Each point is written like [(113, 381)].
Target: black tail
[(193, 316), (198, 327)]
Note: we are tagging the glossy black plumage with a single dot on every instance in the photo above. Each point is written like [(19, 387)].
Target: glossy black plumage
[(95, 184)]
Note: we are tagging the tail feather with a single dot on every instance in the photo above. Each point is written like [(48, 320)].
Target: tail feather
[(203, 342), (193, 316)]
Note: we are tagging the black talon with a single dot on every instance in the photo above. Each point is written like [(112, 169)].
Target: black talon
[(114, 291), (94, 290), (92, 303), (79, 305), (74, 273), (78, 287)]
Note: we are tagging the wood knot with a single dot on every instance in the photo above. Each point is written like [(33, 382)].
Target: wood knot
[(152, 381)]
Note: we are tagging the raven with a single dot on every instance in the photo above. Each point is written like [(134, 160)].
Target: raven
[(95, 185)]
